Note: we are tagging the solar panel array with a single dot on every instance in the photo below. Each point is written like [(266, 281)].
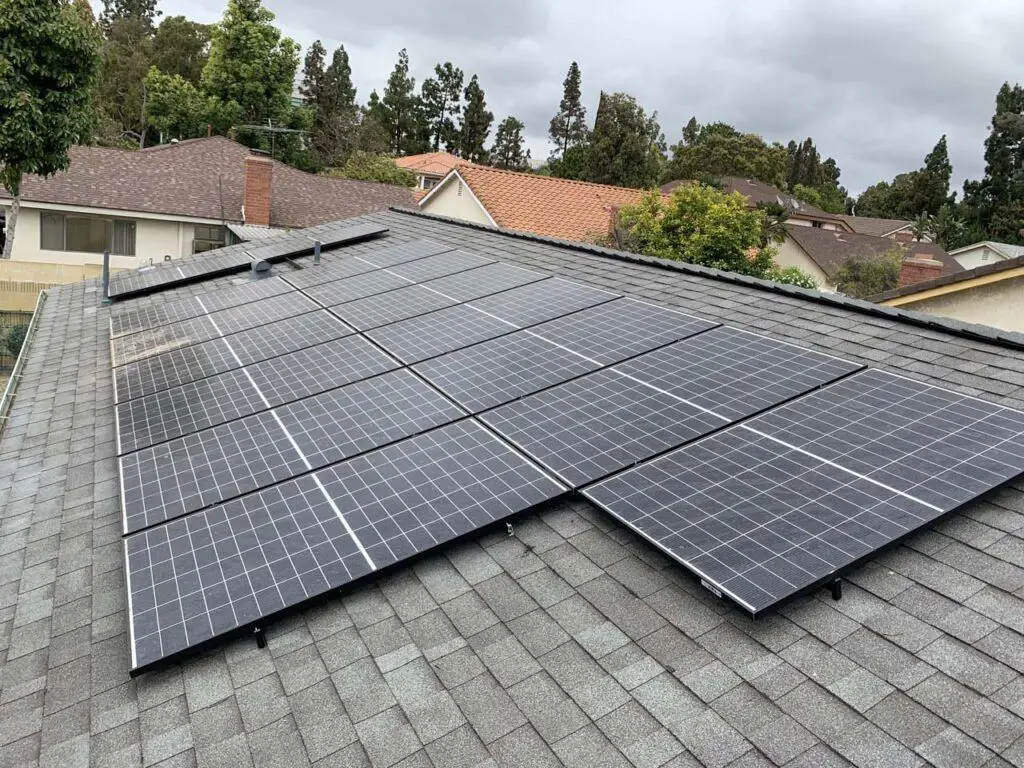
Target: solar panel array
[(233, 259), (283, 438)]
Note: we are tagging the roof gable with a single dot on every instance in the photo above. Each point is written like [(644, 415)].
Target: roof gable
[(829, 249)]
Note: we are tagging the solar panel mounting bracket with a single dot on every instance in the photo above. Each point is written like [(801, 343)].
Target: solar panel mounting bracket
[(836, 588), (260, 635)]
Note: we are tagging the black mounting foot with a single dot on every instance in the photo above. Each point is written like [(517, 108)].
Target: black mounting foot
[(836, 587), (261, 639)]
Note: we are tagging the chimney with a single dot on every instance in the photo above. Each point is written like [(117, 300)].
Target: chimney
[(918, 269), (903, 236), (259, 172)]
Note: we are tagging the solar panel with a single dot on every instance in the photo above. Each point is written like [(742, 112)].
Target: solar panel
[(542, 301), (756, 521), (146, 279), (310, 275), (198, 361), (502, 369), (403, 252), (338, 234), (243, 293), (351, 288), (440, 265), (262, 312), (592, 426), (224, 568), (408, 497), (736, 373), (319, 368), (619, 329), (483, 281), (424, 336), (383, 308)]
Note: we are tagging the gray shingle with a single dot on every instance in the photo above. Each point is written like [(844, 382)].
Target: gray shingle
[(488, 708), (387, 737)]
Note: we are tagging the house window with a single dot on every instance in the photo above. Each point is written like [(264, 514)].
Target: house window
[(817, 224), (86, 234), (207, 237), (429, 183), (984, 255)]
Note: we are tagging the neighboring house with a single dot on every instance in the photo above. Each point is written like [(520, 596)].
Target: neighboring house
[(992, 294), (822, 253), (985, 252), (565, 639), (169, 201), (543, 205), (799, 213), (896, 229), (430, 167)]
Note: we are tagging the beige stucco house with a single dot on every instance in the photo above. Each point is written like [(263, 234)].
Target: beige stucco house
[(985, 252)]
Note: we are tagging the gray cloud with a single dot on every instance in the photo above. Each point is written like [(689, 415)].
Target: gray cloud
[(875, 83)]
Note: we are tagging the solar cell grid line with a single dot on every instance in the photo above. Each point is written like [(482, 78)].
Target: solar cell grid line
[(937, 445), (224, 568), (164, 338), (547, 299), (736, 373), (317, 369), (400, 253), (597, 424), (185, 409), (619, 329), (358, 417), (243, 293), (483, 281), (753, 519), (410, 496), (174, 478), (351, 288), (262, 312), (441, 264), (211, 357), (390, 307), (336, 269), (503, 369), (425, 336)]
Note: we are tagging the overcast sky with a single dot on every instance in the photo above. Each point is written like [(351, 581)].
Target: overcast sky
[(875, 82)]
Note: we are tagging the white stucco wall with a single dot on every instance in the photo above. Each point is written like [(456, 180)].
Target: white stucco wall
[(792, 255), (154, 239), (976, 257), (454, 199), (999, 304)]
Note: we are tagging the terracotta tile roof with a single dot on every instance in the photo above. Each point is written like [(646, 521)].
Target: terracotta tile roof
[(431, 163), (829, 249), (869, 225), (203, 178), (544, 205)]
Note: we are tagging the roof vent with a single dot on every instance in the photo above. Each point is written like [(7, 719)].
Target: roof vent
[(259, 266)]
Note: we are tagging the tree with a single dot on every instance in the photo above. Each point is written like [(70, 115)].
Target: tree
[(179, 110), (145, 10), (930, 185), (329, 93), (476, 124), (875, 201), (251, 64), (716, 150), (923, 226), (440, 96), (870, 274), (995, 205), (49, 55), (14, 339), (949, 228), (364, 166), (180, 47), (568, 127), (773, 223), (626, 146), (398, 111), (126, 57), (509, 151)]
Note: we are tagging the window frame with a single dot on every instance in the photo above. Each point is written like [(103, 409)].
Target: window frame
[(110, 223)]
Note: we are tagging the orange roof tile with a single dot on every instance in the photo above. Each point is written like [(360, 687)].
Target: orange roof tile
[(544, 205), (431, 163)]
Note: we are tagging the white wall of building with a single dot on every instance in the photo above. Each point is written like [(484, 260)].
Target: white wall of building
[(999, 304), (792, 255), (978, 256), (455, 199)]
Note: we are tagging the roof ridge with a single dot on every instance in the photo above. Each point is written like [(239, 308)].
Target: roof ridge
[(974, 331), (576, 182)]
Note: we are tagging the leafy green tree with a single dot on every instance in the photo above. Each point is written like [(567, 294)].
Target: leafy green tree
[(331, 96), (180, 47), (398, 111), (923, 226), (179, 110), (509, 151), (568, 127), (364, 166), (867, 275), (371, 135), (930, 185), (476, 123), (49, 56), (251, 64), (808, 195), (773, 223), (441, 96), (949, 228), (626, 147), (145, 10), (126, 57), (717, 149), (995, 205), (875, 201), (14, 339)]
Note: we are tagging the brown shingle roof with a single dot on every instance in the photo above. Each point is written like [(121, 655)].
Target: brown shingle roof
[(759, 192), (869, 225), (544, 205), (829, 249), (431, 163), (203, 178)]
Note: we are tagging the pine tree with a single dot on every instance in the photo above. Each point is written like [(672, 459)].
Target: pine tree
[(929, 187), (569, 127), (692, 130), (476, 123), (399, 110), (332, 97), (440, 96), (509, 151), (995, 205), (313, 73)]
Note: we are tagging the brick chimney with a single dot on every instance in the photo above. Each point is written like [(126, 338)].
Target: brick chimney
[(918, 269), (259, 173)]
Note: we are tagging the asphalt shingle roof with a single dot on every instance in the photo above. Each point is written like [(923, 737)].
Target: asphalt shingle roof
[(570, 642)]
